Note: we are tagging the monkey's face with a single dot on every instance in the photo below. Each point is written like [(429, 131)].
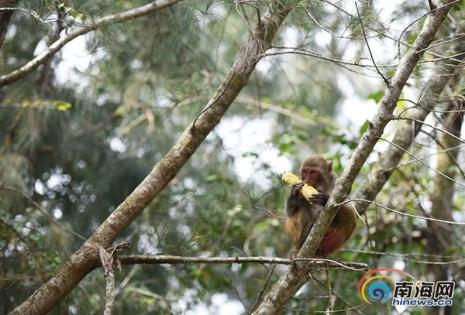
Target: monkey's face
[(316, 171), (311, 176)]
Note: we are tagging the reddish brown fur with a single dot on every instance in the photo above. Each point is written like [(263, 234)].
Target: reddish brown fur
[(317, 172), (297, 223), (339, 233)]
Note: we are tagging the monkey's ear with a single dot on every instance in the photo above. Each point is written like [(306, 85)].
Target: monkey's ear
[(330, 165)]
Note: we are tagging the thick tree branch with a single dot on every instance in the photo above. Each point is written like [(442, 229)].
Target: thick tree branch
[(289, 283), (408, 130), (57, 45), (85, 258)]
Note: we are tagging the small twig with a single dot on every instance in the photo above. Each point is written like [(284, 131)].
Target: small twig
[(406, 163), (444, 149), (386, 81), (277, 109), (400, 212), (45, 212), (450, 57), (331, 296), (422, 162), (107, 260), (213, 101), (263, 289), (305, 52), (243, 15), (237, 292), (405, 257), (32, 13), (327, 30), (433, 10), (334, 293), (126, 280), (119, 247), (445, 41), (16, 232), (432, 127)]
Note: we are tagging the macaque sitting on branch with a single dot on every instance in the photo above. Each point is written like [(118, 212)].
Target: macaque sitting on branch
[(302, 213)]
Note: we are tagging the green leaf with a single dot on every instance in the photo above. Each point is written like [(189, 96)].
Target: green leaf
[(390, 73), (286, 147), (402, 104), (62, 105), (364, 127), (212, 178), (340, 139), (411, 37), (376, 96)]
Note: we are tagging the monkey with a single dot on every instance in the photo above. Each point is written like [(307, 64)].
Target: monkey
[(301, 214)]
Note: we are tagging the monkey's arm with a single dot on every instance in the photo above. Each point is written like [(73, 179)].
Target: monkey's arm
[(295, 200)]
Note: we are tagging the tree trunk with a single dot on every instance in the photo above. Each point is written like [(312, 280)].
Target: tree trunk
[(440, 236), (85, 258)]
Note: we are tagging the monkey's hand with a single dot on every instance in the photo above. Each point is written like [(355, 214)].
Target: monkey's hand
[(295, 190), (295, 199), (319, 199)]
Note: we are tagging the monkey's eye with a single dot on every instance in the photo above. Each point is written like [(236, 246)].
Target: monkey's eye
[(308, 172)]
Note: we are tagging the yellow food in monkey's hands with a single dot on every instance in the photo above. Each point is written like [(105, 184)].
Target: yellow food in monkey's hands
[(291, 179)]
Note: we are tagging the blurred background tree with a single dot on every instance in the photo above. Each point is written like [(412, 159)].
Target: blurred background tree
[(79, 133)]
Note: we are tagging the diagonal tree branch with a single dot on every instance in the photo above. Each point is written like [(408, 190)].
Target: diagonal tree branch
[(57, 45), (85, 258), (408, 130), (289, 283)]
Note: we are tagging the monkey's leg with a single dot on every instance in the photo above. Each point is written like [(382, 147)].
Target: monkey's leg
[(292, 229)]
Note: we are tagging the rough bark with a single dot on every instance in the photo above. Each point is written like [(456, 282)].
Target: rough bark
[(85, 258), (289, 283), (57, 45), (169, 259)]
